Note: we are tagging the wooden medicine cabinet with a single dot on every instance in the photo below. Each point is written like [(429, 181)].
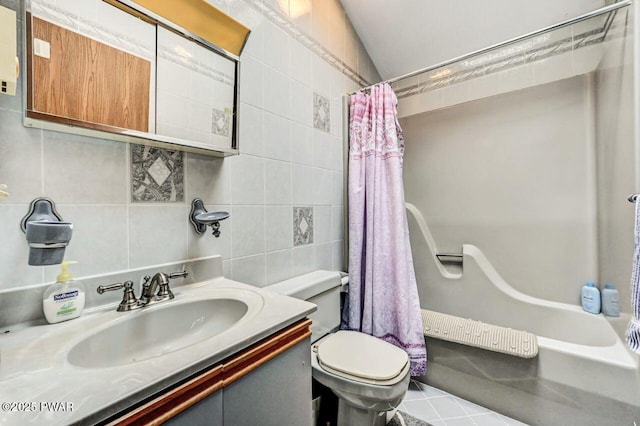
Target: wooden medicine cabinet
[(115, 70)]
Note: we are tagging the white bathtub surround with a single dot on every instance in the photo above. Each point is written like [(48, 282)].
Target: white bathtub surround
[(526, 173), (633, 332), (580, 354)]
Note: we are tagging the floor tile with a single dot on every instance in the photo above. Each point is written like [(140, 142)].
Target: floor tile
[(471, 408), (446, 407), (440, 408), (421, 409)]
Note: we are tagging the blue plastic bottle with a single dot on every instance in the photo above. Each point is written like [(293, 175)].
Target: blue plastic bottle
[(591, 298), (610, 301)]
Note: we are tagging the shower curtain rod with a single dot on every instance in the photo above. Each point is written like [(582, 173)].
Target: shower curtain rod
[(592, 14)]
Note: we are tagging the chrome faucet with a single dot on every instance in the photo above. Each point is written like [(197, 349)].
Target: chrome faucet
[(148, 296)]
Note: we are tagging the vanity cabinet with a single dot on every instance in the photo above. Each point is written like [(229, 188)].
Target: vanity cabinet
[(276, 394), (268, 383)]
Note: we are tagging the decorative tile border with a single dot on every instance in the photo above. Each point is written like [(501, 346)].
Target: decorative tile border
[(92, 28), (198, 67), (522, 53), (288, 26), (302, 226), (321, 113), (157, 175)]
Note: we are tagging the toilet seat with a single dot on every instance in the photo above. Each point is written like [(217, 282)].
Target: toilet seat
[(362, 358)]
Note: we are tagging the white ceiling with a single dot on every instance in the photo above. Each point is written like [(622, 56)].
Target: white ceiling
[(405, 35)]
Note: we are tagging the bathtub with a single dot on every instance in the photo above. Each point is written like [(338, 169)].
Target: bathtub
[(583, 374)]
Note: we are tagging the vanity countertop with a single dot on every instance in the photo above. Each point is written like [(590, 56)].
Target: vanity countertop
[(38, 384)]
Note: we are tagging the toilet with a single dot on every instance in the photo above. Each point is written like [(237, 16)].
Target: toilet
[(368, 375)]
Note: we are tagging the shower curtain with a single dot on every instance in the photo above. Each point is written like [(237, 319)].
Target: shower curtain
[(633, 330), (383, 295)]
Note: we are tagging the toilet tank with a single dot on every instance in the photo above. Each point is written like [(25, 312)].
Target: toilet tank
[(319, 287)]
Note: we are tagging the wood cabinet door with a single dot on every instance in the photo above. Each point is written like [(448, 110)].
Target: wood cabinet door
[(75, 77)]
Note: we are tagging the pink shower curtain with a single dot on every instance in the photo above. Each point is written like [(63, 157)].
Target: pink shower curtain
[(383, 295)]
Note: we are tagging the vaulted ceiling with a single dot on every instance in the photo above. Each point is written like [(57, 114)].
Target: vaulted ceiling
[(405, 35)]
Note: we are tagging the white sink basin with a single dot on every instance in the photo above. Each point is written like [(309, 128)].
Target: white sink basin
[(157, 330), (105, 359)]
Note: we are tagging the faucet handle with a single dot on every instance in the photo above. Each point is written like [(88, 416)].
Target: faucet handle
[(111, 287), (181, 274), (129, 301)]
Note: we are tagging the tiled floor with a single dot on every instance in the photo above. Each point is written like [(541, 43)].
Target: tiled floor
[(440, 408)]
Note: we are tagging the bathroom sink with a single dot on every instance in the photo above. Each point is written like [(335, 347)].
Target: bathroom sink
[(157, 330)]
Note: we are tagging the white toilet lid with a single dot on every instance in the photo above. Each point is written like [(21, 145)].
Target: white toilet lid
[(360, 356)]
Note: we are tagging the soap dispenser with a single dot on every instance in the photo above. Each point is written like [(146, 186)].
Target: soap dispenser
[(64, 300), (591, 298), (610, 301)]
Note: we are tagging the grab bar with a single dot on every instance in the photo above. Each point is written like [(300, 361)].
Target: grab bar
[(450, 257), (633, 198)]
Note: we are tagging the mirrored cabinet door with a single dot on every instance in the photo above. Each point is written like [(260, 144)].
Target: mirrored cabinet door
[(195, 92), (108, 70)]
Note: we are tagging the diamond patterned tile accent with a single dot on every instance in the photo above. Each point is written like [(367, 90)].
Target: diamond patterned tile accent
[(302, 225), (321, 113), (157, 175), (220, 122), (159, 171)]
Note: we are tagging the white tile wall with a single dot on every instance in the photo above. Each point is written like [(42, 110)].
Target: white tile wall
[(303, 259), (278, 228), (208, 178), (302, 144), (276, 54), (251, 130), (277, 182), (277, 137), (21, 153), (84, 183), (276, 92), (301, 108), (284, 162), (156, 235), (322, 149), (248, 230), (247, 179), (300, 63), (251, 81), (249, 270), (279, 266), (97, 230), (302, 184)]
